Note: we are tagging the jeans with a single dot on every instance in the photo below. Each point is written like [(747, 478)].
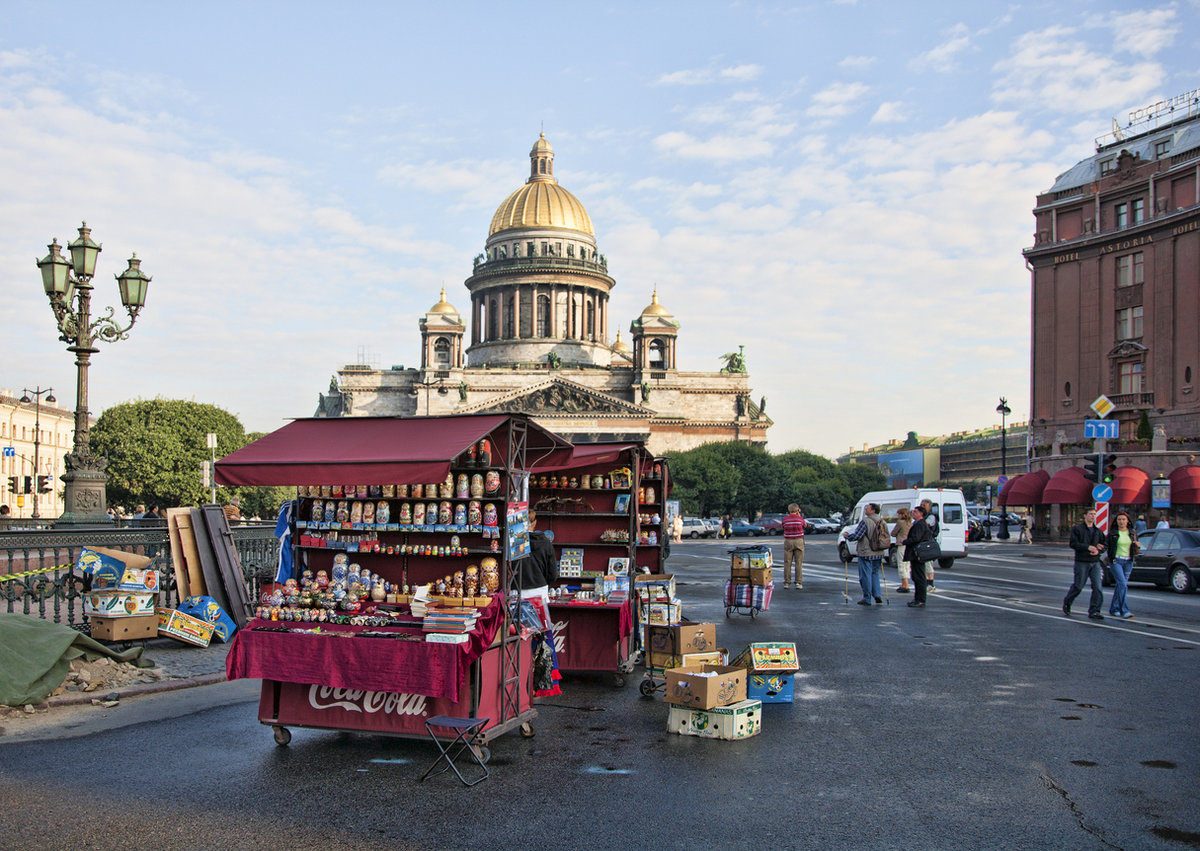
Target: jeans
[(1120, 570), (870, 576), (1086, 571)]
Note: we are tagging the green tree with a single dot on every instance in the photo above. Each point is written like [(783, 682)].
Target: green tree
[(1144, 430), (859, 479), (702, 479), (155, 449)]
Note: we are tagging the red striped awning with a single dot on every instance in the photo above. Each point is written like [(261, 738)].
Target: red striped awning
[(1068, 487), (1026, 489), (1131, 486)]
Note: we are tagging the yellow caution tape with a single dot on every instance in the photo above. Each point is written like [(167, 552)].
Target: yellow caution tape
[(9, 576)]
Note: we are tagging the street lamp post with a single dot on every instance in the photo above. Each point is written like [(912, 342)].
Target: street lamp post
[(1003, 410), (68, 285), (36, 399)]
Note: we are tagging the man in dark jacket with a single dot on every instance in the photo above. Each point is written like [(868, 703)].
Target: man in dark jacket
[(540, 567), (1088, 543)]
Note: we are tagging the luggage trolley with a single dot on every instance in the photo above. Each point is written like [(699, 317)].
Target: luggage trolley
[(749, 587)]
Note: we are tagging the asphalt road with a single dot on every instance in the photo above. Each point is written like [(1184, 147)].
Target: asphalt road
[(985, 720)]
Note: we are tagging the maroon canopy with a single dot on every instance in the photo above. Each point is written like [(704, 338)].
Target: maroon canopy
[(1025, 489), (1131, 486), (1068, 487), (592, 453), (1185, 485), (382, 450)]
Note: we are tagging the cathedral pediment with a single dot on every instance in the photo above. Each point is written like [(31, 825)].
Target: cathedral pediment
[(559, 397)]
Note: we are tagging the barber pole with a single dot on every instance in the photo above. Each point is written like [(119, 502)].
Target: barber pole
[(1102, 516)]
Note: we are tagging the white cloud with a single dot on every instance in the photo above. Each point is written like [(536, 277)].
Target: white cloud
[(858, 63), (1054, 70), (1145, 32), (741, 73), (837, 99), (698, 76), (944, 57), (890, 112)]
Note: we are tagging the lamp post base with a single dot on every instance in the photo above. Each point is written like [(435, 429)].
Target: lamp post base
[(84, 499)]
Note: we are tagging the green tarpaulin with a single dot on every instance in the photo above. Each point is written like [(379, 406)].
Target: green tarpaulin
[(35, 656)]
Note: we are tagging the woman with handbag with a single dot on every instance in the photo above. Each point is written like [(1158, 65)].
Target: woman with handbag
[(916, 552), (1123, 545)]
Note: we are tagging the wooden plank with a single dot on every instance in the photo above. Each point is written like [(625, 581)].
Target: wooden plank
[(178, 559), (208, 562), (191, 556), (228, 562)]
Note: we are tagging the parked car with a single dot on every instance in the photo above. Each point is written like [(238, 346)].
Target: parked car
[(974, 529), (742, 529), (820, 526), (696, 527), (1170, 558), (771, 525)]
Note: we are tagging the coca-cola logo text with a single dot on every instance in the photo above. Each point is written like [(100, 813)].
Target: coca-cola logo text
[(357, 700), (560, 635)]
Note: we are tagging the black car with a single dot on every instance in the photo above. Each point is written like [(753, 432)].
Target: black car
[(1168, 558)]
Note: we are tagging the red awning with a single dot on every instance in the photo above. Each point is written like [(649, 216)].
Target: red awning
[(1025, 489), (381, 450), (1131, 486), (593, 453), (1185, 485), (1067, 487)]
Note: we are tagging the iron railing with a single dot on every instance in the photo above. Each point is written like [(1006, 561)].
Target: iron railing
[(38, 576)]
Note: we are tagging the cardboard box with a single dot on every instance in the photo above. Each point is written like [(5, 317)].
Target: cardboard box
[(656, 587), (738, 721), (750, 575), (92, 558), (720, 656), (706, 686), (183, 627), (110, 577), (685, 637), (751, 557), (769, 656), (771, 688), (207, 609), (124, 629), (118, 604), (662, 614)]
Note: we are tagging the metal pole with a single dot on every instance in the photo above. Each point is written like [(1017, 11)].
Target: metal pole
[(1004, 411), (37, 442)]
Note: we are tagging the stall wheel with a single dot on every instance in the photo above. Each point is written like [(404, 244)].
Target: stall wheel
[(483, 752), (527, 730), (753, 614), (282, 735), (728, 611), (647, 688), (618, 681)]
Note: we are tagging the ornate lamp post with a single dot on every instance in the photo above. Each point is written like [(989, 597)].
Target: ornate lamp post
[(69, 287), (35, 396), (1003, 410)]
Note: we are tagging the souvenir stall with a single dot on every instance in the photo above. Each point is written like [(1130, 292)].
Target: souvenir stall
[(403, 533), (606, 509)]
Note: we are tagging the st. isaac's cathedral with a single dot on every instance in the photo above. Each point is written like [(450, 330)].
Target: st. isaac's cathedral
[(541, 344)]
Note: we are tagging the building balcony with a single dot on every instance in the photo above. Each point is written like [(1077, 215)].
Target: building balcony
[(534, 264), (1132, 401)]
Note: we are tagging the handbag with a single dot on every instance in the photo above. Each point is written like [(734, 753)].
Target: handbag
[(929, 550)]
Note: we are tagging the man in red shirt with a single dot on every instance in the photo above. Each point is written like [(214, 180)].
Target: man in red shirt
[(793, 546)]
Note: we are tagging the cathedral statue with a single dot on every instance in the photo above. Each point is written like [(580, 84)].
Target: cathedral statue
[(734, 361)]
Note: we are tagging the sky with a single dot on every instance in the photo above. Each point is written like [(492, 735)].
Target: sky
[(844, 188)]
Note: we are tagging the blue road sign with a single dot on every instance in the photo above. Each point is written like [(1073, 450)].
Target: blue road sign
[(1102, 493), (1110, 429), (9, 452), (1000, 480)]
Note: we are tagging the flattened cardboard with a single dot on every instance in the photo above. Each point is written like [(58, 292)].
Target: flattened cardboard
[(206, 609), (178, 557), (771, 687), (772, 656), (191, 555)]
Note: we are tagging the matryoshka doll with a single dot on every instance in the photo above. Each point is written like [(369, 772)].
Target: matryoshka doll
[(462, 487), (406, 513), (317, 511), (431, 513), (383, 512), (356, 512), (460, 515), (343, 511), (476, 490), (445, 513), (446, 489), (402, 490), (489, 569), (484, 456), (361, 491), (490, 517), (337, 491), (474, 513), (375, 491), (387, 491), (326, 491), (650, 495), (368, 512), (491, 483), (418, 513), (418, 491), (330, 511)]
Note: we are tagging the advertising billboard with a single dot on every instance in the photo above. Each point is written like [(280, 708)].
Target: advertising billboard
[(909, 468)]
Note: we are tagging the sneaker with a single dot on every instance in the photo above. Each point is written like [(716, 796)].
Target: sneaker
[(799, 587), (787, 585), (864, 602), (913, 604), (1127, 615), (1096, 616), (903, 590), (879, 601), (1066, 610), (930, 588)]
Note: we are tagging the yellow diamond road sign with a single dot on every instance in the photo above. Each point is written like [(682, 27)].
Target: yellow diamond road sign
[(1102, 406)]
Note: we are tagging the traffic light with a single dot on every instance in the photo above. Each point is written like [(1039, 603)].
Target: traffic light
[(12, 485), (28, 485), (43, 484), (1091, 468), (1107, 465)]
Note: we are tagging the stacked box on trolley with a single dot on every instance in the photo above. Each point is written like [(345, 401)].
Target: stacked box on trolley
[(751, 565), (710, 701), (124, 590), (771, 667), (656, 604), (668, 644)]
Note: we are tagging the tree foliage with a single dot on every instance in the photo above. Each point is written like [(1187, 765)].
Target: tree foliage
[(746, 480), (155, 449)]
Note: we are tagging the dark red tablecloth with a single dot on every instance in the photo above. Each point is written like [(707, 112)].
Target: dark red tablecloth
[(590, 636), (371, 664)]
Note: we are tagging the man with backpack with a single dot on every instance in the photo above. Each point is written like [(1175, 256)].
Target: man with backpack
[(874, 540)]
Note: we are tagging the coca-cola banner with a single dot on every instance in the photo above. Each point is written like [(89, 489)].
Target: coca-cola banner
[(590, 638), (353, 709)]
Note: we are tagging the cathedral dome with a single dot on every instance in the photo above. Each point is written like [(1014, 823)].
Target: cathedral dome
[(541, 202), (443, 306), (621, 347), (654, 308)]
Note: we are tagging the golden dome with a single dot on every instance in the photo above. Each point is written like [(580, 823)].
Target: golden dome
[(621, 346), (654, 308), (541, 202), (443, 306)]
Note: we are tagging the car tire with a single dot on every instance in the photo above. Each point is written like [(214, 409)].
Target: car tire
[(843, 551), (1181, 579), (694, 534), (945, 563)]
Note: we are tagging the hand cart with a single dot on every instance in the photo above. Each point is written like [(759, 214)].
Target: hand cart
[(749, 588)]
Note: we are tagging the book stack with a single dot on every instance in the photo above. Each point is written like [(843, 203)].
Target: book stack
[(449, 626)]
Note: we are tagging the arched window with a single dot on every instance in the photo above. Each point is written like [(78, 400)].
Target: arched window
[(543, 316), (493, 320), (657, 355), (441, 353)]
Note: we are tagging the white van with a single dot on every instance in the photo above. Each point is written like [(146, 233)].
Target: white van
[(949, 507)]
